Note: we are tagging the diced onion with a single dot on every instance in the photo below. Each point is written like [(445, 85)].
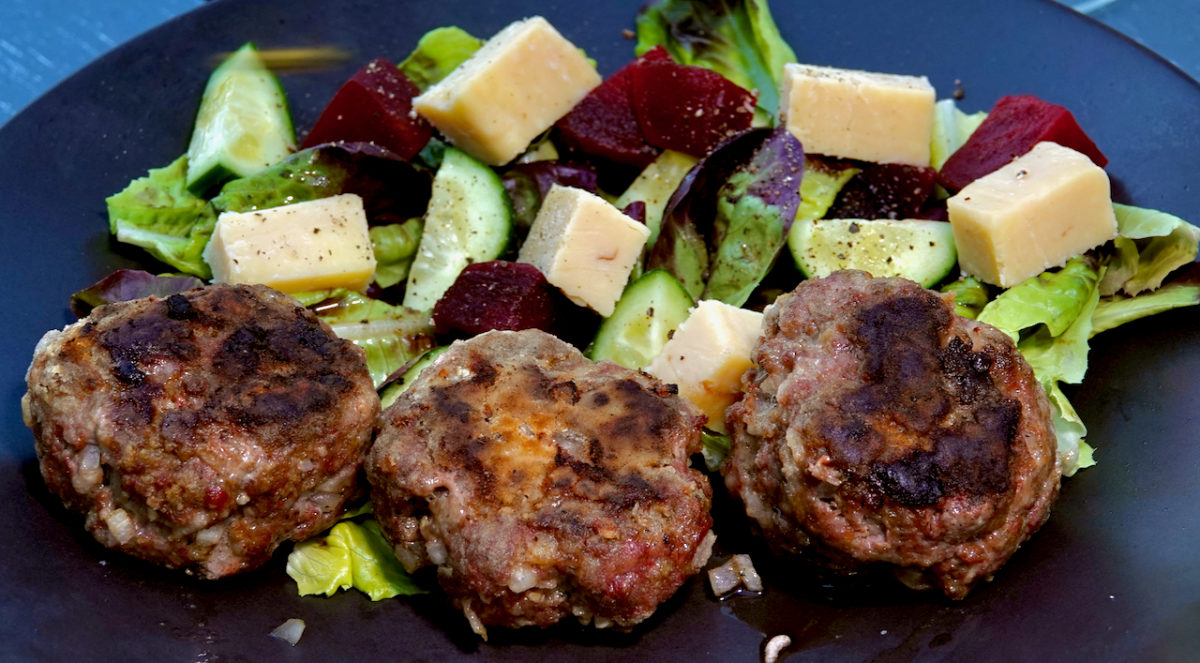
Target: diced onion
[(436, 550), (120, 525), (723, 579), (210, 536), (289, 631), (738, 572), (747, 572), (522, 578)]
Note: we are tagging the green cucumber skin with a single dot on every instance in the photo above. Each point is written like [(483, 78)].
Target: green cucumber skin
[(656, 300), (469, 220), (210, 163), (925, 264)]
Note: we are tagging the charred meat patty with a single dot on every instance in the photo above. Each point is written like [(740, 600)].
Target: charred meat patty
[(201, 430), (542, 485), (879, 427)]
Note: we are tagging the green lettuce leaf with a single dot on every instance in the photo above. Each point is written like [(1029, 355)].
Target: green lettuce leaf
[(1167, 242), (390, 335), (395, 247), (1121, 264), (319, 567), (437, 54), (350, 555), (1116, 311), (300, 177), (1062, 357), (823, 180), (1074, 453), (753, 233), (755, 209), (716, 448), (736, 38), (391, 189), (970, 296), (398, 384), (951, 128), (159, 214), (1051, 315), (1052, 298)]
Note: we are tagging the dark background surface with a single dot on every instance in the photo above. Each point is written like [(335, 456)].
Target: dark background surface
[(44, 41), (1113, 576)]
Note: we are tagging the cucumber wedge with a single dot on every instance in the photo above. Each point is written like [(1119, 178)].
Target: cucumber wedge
[(922, 251), (469, 219), (243, 125), (655, 185), (649, 310)]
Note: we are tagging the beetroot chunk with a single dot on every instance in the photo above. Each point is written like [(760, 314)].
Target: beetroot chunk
[(1014, 125), (374, 106), (688, 109), (884, 191), (496, 295), (603, 123)]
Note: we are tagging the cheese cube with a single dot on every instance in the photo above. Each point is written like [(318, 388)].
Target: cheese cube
[(886, 118), (1034, 213), (513, 88), (585, 247), (707, 355), (304, 246)]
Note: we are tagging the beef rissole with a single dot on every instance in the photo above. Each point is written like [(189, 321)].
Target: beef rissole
[(879, 427), (542, 485), (201, 430)]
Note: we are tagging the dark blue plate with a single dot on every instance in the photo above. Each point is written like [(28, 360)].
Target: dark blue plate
[(1113, 576)]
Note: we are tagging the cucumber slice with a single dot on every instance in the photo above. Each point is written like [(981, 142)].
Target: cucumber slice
[(243, 125), (649, 310), (655, 185), (469, 219), (915, 249)]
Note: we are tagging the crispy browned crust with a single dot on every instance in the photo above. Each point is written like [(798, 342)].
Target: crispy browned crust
[(542, 485), (879, 427), (201, 430)]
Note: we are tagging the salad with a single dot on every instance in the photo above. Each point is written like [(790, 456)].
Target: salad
[(742, 166)]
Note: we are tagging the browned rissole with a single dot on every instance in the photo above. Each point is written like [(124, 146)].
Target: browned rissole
[(201, 430), (542, 485), (878, 427)]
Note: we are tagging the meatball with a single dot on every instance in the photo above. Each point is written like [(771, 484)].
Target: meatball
[(542, 485), (201, 430), (879, 427)]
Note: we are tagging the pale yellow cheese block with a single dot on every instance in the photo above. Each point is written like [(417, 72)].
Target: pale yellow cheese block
[(304, 246), (886, 118), (508, 92), (1032, 214), (707, 355), (584, 246)]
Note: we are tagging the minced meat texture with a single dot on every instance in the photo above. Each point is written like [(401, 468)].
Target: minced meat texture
[(877, 426), (201, 430), (542, 485)]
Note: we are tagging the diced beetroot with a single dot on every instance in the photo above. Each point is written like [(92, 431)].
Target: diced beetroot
[(374, 106), (603, 124), (688, 109), (1014, 125), (935, 210), (496, 295), (884, 191)]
